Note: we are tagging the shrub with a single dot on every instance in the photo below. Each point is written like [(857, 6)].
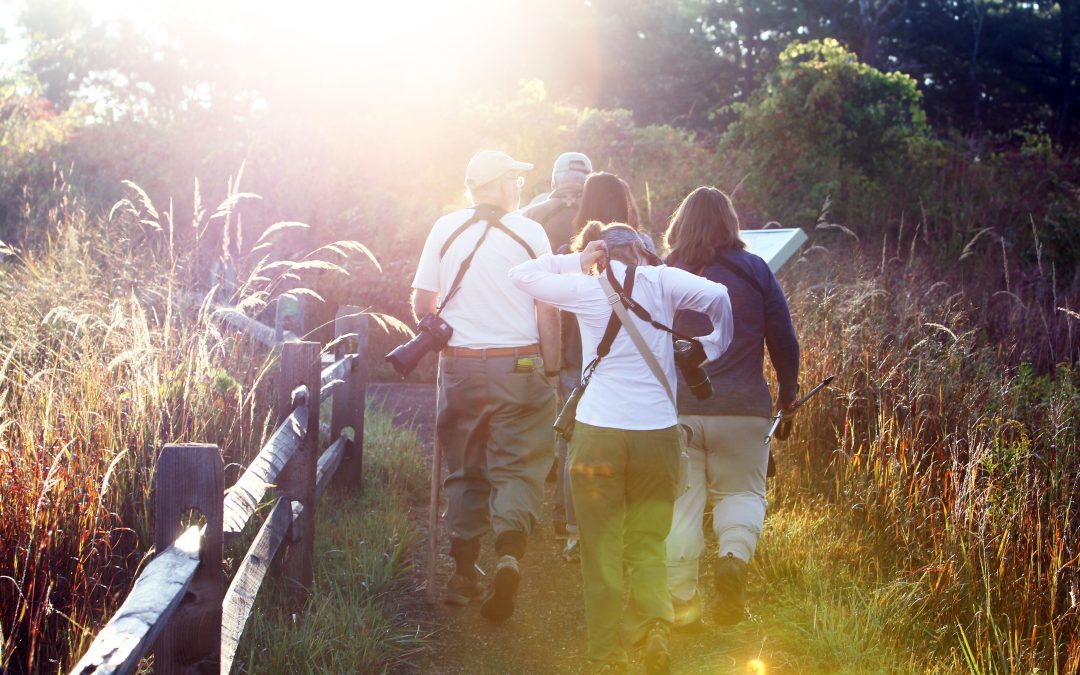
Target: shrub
[(826, 125)]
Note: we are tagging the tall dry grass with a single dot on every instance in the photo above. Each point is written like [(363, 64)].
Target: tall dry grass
[(105, 357), (950, 436)]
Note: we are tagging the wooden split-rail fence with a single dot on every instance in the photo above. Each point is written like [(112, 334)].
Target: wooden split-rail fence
[(179, 607)]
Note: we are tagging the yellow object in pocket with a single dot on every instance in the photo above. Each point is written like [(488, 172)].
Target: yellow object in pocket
[(528, 364)]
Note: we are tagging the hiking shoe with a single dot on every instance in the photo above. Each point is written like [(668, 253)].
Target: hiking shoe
[(687, 613), (499, 602), (730, 580), (461, 590), (572, 551), (657, 658)]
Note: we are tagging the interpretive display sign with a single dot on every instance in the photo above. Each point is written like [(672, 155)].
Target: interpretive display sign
[(776, 247)]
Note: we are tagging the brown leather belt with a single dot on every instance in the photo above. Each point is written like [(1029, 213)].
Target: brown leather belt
[(493, 352)]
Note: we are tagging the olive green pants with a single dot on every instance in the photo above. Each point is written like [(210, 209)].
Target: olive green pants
[(623, 484)]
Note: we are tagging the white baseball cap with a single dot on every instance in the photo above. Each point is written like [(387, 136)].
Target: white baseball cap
[(572, 161), (489, 165)]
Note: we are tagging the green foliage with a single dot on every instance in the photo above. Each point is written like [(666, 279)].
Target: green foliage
[(32, 137), (827, 126)]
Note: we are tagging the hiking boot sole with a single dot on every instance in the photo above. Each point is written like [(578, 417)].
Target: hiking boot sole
[(499, 604)]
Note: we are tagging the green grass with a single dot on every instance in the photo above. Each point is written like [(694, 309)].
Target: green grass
[(821, 602), (356, 620)]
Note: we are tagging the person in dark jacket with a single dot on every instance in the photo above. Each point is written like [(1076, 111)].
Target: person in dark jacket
[(728, 455), (557, 210)]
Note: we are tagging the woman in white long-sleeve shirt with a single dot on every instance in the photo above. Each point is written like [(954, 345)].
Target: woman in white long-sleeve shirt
[(625, 451)]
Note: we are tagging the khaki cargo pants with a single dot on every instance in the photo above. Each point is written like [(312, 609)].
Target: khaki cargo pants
[(494, 428)]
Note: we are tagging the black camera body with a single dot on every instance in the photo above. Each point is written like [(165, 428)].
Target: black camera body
[(689, 356), (432, 335)]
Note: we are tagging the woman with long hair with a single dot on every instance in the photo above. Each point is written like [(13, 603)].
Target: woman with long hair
[(728, 457), (624, 455), (605, 198)]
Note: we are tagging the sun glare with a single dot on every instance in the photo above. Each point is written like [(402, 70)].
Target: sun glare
[(421, 39)]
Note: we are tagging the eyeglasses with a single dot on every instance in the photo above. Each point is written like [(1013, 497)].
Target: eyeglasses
[(518, 180)]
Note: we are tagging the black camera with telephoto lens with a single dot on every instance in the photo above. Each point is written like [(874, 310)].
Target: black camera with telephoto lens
[(689, 357), (432, 335)]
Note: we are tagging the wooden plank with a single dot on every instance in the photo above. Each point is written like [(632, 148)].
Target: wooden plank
[(329, 462), (240, 598), (350, 401), (334, 375), (192, 476), (237, 320), (300, 366), (243, 498), (157, 593)]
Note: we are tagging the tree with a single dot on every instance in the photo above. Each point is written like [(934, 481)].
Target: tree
[(827, 127)]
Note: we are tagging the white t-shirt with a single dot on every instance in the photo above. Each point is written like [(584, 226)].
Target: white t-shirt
[(487, 311), (623, 392)]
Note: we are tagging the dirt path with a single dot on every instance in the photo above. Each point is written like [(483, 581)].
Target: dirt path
[(547, 632)]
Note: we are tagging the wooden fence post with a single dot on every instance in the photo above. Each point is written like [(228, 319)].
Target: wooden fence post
[(350, 400), (300, 366), (192, 476), (279, 321)]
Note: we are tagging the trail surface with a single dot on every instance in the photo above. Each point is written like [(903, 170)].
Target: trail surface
[(547, 632)]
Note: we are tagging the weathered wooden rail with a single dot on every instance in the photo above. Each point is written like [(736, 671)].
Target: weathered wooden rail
[(179, 607)]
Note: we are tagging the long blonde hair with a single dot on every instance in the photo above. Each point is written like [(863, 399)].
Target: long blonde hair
[(703, 224)]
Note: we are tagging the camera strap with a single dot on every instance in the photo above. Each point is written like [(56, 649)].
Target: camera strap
[(615, 300), (616, 290), (612, 329), (493, 215)]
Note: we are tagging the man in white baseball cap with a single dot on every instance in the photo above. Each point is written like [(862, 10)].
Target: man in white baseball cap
[(496, 403), (487, 166)]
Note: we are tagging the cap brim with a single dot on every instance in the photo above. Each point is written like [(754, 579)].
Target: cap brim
[(521, 166)]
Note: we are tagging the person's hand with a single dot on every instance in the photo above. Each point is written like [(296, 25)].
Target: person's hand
[(595, 253), (787, 410)]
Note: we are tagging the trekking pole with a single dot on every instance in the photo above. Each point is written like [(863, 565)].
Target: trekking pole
[(433, 520), (795, 406)]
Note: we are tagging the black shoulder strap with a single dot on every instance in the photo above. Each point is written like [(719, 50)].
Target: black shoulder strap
[(479, 213), (633, 306), (613, 325), (498, 225), (741, 273), (494, 216), (612, 329)]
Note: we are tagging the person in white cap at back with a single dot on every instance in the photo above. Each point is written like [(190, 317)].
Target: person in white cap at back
[(556, 211), (496, 403)]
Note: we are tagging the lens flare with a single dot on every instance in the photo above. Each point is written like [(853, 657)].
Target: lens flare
[(755, 667)]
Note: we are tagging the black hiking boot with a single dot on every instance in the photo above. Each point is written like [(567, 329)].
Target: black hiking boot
[(730, 580), (499, 602)]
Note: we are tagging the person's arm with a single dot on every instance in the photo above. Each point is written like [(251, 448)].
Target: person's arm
[(689, 291), (548, 279), (550, 326), (425, 295), (423, 303), (782, 343)]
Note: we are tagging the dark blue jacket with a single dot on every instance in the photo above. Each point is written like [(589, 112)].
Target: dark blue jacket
[(738, 379)]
